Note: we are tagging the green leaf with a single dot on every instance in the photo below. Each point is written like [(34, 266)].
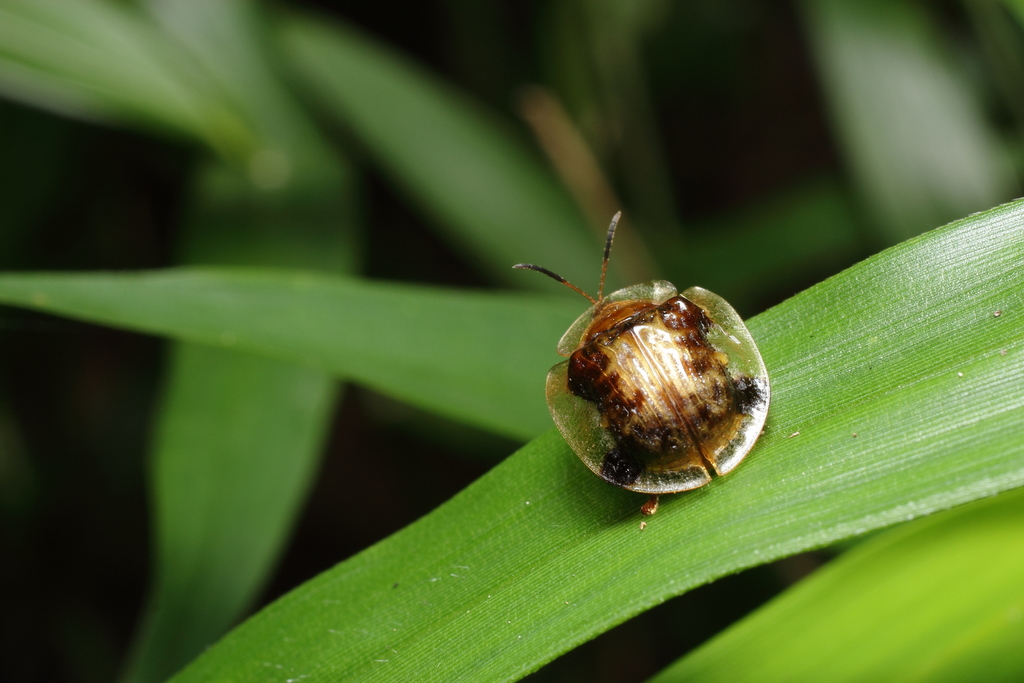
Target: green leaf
[(539, 555), (914, 134), (477, 357), (238, 437), (233, 43), (896, 393), (462, 167), (237, 446), (97, 60), (937, 600)]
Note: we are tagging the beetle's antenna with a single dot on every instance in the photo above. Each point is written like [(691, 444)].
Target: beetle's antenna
[(554, 276), (607, 252)]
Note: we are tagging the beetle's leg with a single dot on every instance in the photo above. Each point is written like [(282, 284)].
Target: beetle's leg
[(650, 507)]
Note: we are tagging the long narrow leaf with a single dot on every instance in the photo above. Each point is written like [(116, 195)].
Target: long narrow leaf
[(913, 132), (892, 399), (477, 357), (937, 600), (239, 437), (232, 41), (896, 393), (236, 449), (491, 196), (97, 60)]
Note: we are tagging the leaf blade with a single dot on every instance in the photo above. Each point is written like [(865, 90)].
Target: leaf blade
[(493, 199), (930, 600), (874, 351), (237, 446), (898, 100), (98, 61), (539, 531), (239, 437), (478, 357)]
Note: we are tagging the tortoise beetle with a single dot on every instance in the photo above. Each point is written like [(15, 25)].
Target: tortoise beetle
[(660, 389)]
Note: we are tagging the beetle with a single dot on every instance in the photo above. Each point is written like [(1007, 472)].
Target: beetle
[(660, 389)]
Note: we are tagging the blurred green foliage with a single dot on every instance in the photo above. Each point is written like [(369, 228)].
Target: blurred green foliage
[(154, 495)]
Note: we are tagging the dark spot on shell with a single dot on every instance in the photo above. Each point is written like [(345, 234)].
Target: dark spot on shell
[(620, 467), (750, 394)]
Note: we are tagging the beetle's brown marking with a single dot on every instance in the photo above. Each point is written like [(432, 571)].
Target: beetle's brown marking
[(701, 416), (702, 364), (674, 321), (620, 411), (680, 316), (614, 314), (587, 372), (660, 387)]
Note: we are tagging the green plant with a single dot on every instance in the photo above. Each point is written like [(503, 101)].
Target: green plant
[(896, 382)]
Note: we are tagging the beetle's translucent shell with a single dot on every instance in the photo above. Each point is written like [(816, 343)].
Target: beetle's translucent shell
[(659, 388)]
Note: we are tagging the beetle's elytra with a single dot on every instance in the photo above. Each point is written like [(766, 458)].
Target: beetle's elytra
[(660, 389)]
